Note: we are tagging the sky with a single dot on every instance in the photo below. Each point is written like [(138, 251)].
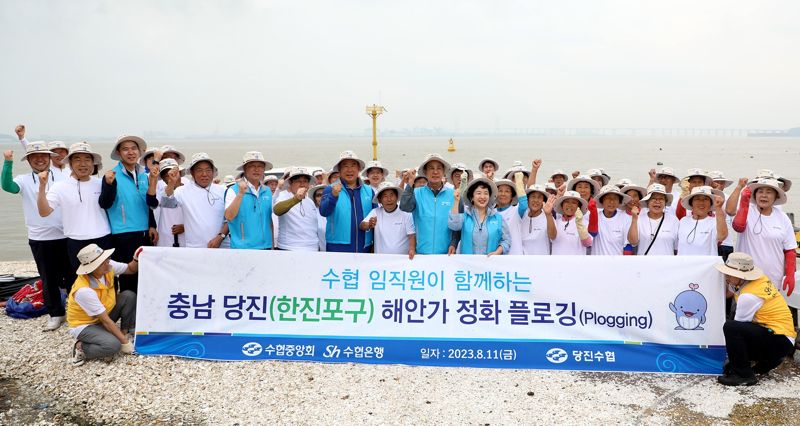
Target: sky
[(194, 67)]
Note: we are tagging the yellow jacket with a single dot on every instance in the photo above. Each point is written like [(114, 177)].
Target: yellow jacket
[(76, 316), (774, 313)]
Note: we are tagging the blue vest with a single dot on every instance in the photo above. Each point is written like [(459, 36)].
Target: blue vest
[(338, 229), (494, 226), (430, 219), (130, 212), (252, 226)]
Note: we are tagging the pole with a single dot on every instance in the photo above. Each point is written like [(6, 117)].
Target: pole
[(374, 136)]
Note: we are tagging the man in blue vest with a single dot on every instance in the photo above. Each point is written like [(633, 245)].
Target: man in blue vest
[(430, 205), (127, 195), (248, 206), (346, 202)]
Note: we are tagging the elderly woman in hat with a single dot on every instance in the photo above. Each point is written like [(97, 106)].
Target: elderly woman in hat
[(202, 202), (488, 167), (762, 330), (170, 221), (765, 232), (394, 228), (699, 234), (511, 208), (655, 234), (45, 234), (482, 230), (430, 205), (694, 178), (77, 198), (457, 170), (374, 174), (94, 307), (613, 224), (587, 188), (59, 161), (297, 214), (533, 225), (315, 195), (346, 203), (633, 191), (568, 234), (248, 206)]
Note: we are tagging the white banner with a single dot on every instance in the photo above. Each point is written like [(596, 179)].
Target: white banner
[(631, 313)]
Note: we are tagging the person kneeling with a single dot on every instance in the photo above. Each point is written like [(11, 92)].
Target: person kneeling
[(94, 307), (762, 330)]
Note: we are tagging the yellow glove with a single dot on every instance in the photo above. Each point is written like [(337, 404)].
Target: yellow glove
[(518, 181), (582, 232), (463, 187), (685, 190), (126, 348)]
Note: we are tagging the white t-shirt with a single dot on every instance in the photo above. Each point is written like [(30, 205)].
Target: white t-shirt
[(667, 239), (39, 228), (567, 241), (87, 298), (533, 234), (322, 224), (203, 212), (511, 217), (298, 225), (166, 218), (612, 234), (81, 215), (765, 238), (61, 173), (391, 230), (697, 237)]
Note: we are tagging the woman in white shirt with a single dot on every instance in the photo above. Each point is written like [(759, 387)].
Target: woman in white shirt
[(533, 225), (655, 234), (699, 234), (297, 214), (568, 233), (613, 224), (315, 195), (506, 207)]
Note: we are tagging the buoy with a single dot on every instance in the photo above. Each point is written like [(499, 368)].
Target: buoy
[(451, 146)]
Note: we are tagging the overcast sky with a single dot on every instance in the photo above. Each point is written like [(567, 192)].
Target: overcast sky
[(198, 67)]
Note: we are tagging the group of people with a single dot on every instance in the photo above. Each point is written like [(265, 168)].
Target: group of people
[(84, 227)]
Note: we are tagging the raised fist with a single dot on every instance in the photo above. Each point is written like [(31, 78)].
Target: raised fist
[(301, 193), (20, 131), (110, 176), (8, 155), (336, 189)]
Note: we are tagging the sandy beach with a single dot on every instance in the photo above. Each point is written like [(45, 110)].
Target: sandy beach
[(38, 385)]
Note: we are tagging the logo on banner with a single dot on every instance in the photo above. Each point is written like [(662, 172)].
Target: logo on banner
[(251, 349), (556, 355), (689, 308)]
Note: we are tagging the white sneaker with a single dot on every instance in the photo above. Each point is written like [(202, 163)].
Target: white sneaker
[(78, 357), (53, 323)]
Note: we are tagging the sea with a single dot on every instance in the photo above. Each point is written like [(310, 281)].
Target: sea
[(625, 157)]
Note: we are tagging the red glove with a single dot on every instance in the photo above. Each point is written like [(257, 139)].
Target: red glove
[(680, 212), (790, 266), (740, 221), (137, 253), (594, 219)]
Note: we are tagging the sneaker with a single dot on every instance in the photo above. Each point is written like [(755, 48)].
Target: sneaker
[(53, 323), (78, 357), (736, 380)]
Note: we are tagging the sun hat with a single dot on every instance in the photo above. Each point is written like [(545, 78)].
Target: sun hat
[(492, 191), (538, 188), (768, 183), (667, 171), (624, 182), (512, 185), (599, 173), (271, 178), (655, 188), (148, 153), (428, 159), (128, 138), (348, 155), (740, 265), (375, 164), (769, 174), (383, 186), (84, 148), (318, 172), (199, 157), (38, 147), (56, 145), (582, 178), (559, 172), (456, 167), (612, 189), (717, 176), (313, 190), (550, 186), (299, 171), (698, 191), (571, 195), (488, 160), (700, 172), (169, 148), (253, 157), (91, 257), (633, 187), (516, 167), (169, 164)]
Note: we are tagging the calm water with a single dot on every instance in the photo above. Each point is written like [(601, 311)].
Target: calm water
[(621, 158)]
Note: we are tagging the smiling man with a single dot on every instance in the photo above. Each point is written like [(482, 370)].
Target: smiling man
[(346, 202), (430, 205)]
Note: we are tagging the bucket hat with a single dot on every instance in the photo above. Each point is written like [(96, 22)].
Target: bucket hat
[(509, 183), (254, 157), (740, 265), (612, 189), (199, 157), (583, 178), (492, 191), (702, 173), (38, 147), (56, 145), (538, 188), (91, 257), (701, 191), (428, 159), (169, 164), (559, 172), (84, 148), (717, 176), (128, 138), (599, 173), (384, 186), (375, 164), (171, 149), (633, 187), (348, 155), (517, 167), (148, 153), (488, 160), (667, 171), (299, 171), (655, 188), (768, 183), (459, 166), (314, 189), (571, 195)]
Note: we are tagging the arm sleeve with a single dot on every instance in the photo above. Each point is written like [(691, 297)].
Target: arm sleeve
[(8, 183), (522, 205), (407, 200), (280, 208), (107, 194), (24, 143), (747, 306), (455, 221), (152, 201), (328, 202), (680, 212), (151, 219)]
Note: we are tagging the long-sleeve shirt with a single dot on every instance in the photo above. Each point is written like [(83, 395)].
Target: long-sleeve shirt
[(480, 235)]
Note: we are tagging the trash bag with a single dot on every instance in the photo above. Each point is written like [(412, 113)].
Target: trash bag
[(28, 302)]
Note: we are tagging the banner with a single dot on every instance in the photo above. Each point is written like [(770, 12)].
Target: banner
[(603, 313)]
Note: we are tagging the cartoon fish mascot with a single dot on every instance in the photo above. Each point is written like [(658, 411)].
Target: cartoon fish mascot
[(690, 309)]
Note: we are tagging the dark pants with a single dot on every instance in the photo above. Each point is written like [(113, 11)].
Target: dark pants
[(125, 245), (74, 246), (746, 342), (54, 267)]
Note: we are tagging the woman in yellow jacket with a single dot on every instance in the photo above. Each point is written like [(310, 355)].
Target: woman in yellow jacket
[(94, 307), (762, 331)]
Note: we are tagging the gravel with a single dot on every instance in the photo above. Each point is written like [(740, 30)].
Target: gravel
[(38, 385)]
